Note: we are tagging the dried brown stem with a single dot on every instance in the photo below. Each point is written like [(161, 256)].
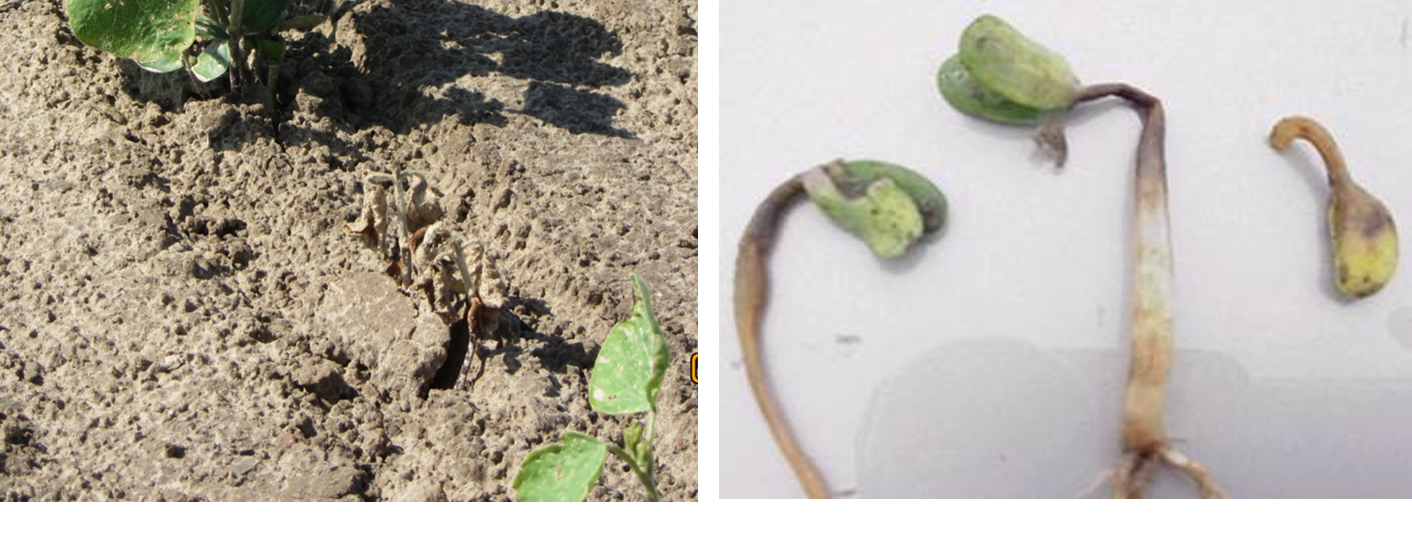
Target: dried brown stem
[(751, 298), (1144, 433), (1297, 127)]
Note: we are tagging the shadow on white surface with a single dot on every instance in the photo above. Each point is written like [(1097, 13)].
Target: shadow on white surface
[(999, 418)]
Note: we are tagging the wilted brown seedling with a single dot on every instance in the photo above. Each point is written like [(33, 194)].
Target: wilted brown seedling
[(414, 211), (431, 258), (1000, 75)]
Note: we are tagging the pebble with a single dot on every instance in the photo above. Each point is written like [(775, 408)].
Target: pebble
[(243, 465)]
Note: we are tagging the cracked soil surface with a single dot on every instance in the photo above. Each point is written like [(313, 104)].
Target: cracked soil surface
[(183, 317)]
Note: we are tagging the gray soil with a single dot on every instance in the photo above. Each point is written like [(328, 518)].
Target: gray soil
[(183, 317)]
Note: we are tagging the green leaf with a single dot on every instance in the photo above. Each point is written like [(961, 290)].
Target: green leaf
[(260, 15), (152, 32), (890, 207), (928, 198), (884, 216), (209, 28), (303, 22), (963, 93), (161, 65), (561, 472), (633, 361), (213, 62), (1005, 62)]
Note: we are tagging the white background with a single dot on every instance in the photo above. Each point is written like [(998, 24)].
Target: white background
[(990, 363)]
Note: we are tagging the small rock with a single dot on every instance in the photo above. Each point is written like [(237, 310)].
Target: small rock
[(323, 380), (170, 363), (243, 465)]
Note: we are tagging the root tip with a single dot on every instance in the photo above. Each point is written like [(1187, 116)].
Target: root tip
[(1134, 473)]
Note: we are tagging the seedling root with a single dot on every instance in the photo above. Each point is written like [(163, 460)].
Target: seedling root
[(1134, 473)]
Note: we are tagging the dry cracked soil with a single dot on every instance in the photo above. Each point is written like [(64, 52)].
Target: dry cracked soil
[(183, 316)]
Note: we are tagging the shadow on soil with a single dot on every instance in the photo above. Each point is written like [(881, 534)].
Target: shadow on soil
[(552, 352), (414, 49), (418, 46)]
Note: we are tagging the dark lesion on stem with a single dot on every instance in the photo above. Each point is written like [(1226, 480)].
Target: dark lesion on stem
[(1145, 443), (751, 298), (1050, 137), (1151, 148)]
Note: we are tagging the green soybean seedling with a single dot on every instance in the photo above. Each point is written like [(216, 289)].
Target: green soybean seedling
[(888, 206), (626, 379), (1003, 76), (159, 34)]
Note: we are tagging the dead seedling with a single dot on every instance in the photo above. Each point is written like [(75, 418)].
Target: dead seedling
[(1002, 76), (431, 258)]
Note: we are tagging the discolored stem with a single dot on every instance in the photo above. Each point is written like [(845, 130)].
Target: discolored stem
[(1143, 427), (751, 298), (1297, 127), (404, 231), (1144, 433)]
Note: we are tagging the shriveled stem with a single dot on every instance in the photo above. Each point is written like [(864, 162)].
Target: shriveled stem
[(459, 242), (1151, 333), (404, 231), (1144, 433), (472, 302), (404, 254), (751, 298), (1298, 127)]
